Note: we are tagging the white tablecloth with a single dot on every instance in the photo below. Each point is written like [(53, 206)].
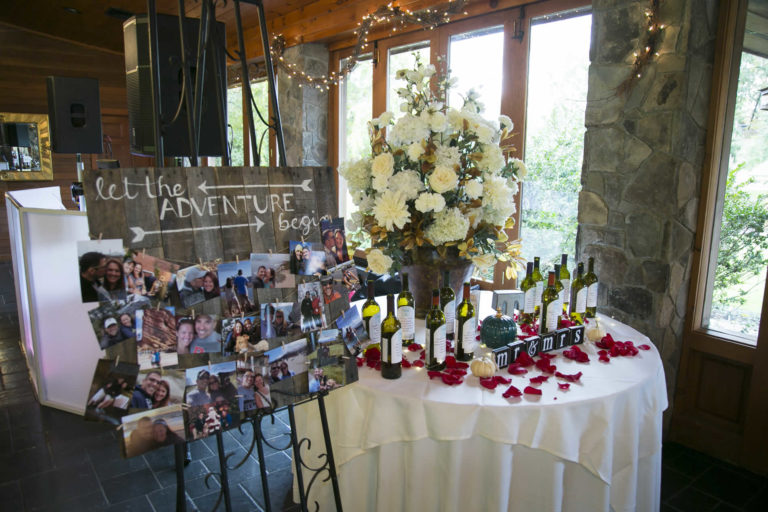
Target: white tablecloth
[(419, 444)]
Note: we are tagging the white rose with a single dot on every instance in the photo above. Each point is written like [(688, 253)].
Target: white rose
[(381, 169), (379, 262), (443, 179)]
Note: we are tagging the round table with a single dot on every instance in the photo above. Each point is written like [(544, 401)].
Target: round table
[(419, 444)]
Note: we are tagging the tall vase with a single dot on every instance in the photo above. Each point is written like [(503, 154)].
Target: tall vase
[(425, 272)]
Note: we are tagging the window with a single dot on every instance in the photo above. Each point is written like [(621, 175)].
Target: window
[(735, 280), (260, 93), (235, 124), (491, 54)]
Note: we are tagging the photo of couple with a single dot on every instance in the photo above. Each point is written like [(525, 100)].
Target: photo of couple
[(149, 430), (211, 398)]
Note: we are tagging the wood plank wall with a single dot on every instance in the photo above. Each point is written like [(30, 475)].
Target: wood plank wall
[(26, 59)]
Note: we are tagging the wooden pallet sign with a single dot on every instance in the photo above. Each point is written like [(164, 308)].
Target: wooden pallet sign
[(204, 213)]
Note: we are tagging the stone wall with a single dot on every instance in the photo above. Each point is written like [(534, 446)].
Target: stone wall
[(304, 110), (642, 165)]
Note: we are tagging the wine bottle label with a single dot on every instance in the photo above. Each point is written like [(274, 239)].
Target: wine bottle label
[(530, 300), (566, 287), (552, 314), (438, 345), (450, 316), (468, 334), (592, 296), (407, 317), (581, 301), (392, 348), (539, 290), (374, 328), (474, 298), (558, 304)]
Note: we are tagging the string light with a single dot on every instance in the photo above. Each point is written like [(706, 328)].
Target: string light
[(642, 58), (400, 17)]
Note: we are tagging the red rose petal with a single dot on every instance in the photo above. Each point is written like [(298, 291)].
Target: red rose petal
[(547, 355), (418, 363), (543, 365), (512, 391), (422, 355), (644, 347), (501, 380), (524, 359), (576, 354), (570, 378), (360, 361), (531, 391), (451, 380), (406, 363), (433, 373), (456, 372), (488, 383), (516, 369), (414, 347), (539, 379), (563, 385)]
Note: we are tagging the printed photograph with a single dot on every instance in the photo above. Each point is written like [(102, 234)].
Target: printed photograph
[(100, 263), (308, 258), (113, 322), (277, 321), (110, 391), (253, 390), (211, 399), (311, 306), (149, 277), (271, 271), (237, 297), (287, 379), (335, 298), (198, 334), (241, 335), (157, 343), (334, 240), (346, 279), (352, 331), (158, 388), (195, 284), (331, 364), (149, 430)]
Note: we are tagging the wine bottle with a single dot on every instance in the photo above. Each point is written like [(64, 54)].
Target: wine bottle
[(406, 313), (590, 281), (579, 299), (560, 290), (565, 280), (435, 342), (448, 305), (539, 280), (391, 343), (372, 316), (466, 332), (528, 286), (549, 310)]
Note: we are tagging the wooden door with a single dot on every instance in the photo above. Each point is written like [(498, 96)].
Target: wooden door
[(720, 406)]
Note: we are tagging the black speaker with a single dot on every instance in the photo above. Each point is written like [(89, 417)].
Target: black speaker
[(74, 114), (138, 81)]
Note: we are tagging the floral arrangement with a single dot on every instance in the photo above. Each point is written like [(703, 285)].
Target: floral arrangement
[(441, 178)]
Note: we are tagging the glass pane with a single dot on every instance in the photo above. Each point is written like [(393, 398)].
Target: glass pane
[(402, 57), (476, 61), (741, 242), (554, 141), (355, 100), (260, 93), (235, 121)]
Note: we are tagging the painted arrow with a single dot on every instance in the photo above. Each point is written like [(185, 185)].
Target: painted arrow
[(139, 233), (304, 185)]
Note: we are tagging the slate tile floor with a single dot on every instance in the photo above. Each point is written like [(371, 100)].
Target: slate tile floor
[(54, 461)]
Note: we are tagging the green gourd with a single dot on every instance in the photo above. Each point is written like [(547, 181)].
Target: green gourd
[(498, 330)]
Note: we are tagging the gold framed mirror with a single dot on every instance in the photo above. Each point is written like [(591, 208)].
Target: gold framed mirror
[(25, 147)]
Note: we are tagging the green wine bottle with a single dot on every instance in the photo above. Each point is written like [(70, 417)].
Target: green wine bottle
[(467, 328), (579, 299), (560, 290), (435, 342), (528, 286), (549, 306), (590, 281), (448, 305), (391, 343), (372, 316), (565, 280), (406, 313), (539, 280)]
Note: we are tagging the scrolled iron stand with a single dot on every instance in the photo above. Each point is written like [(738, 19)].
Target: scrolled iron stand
[(192, 99)]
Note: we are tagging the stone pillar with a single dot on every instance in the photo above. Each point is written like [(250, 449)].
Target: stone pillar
[(643, 157), (303, 109)]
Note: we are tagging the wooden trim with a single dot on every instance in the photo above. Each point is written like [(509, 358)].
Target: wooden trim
[(57, 38)]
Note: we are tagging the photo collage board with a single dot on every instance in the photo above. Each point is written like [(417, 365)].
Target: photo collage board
[(194, 347)]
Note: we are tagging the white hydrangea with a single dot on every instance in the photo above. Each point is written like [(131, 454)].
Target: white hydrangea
[(414, 151), (493, 158), (447, 156), (408, 183), (381, 169), (474, 189), (357, 174), (455, 120), (427, 202), (449, 225), (407, 130), (379, 262), (443, 179), (437, 122), (498, 201), (390, 210)]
